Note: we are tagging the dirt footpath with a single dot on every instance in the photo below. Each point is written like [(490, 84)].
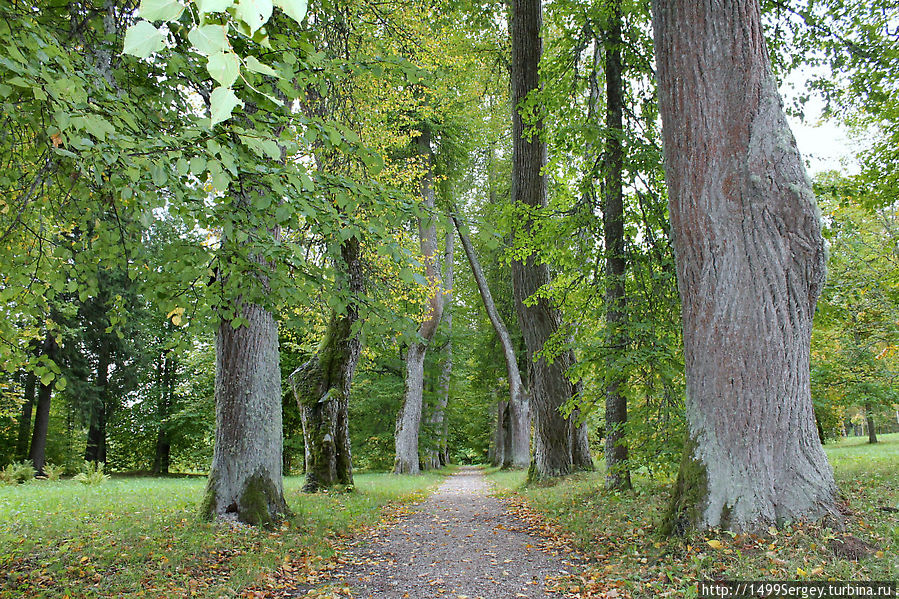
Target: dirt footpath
[(459, 543)]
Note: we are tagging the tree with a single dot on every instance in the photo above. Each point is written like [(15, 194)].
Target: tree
[(559, 445), (750, 266), (37, 452), (408, 420), (513, 423)]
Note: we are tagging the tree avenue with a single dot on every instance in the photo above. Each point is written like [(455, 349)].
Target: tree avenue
[(228, 248), (750, 265)]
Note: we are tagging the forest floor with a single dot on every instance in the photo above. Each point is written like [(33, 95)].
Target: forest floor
[(461, 542)]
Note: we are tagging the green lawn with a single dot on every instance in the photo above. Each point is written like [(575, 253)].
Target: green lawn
[(618, 531), (140, 537)]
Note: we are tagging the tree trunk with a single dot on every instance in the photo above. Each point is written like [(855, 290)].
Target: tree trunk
[(38, 451), (499, 434), (95, 451), (245, 479), (437, 420), (550, 388), (618, 474), (25, 418), (322, 386), (520, 427), (162, 459), (869, 417), (750, 265), (408, 420)]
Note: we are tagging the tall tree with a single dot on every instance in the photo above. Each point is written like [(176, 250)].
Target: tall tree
[(750, 266), (519, 425), (554, 437), (38, 451), (617, 473), (408, 421), (22, 441)]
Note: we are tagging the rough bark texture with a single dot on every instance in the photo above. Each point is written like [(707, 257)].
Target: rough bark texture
[(869, 417), (245, 479), (438, 455), (25, 417), (550, 387), (37, 453), (322, 385), (95, 451), (520, 428), (618, 475), (750, 265), (408, 420)]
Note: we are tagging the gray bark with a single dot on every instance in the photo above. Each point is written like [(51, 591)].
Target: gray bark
[(519, 454), (245, 478), (437, 455), (750, 265), (618, 475), (499, 445), (408, 420), (550, 387), (322, 386)]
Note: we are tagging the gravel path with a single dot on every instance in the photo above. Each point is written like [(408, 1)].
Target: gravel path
[(460, 542)]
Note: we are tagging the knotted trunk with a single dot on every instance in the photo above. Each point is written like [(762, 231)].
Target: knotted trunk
[(750, 265)]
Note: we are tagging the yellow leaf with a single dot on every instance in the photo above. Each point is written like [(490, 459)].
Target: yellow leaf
[(714, 544), (878, 554), (801, 572), (817, 571), (772, 531)]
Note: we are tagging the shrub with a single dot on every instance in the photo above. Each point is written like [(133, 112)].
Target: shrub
[(92, 474), (17, 472), (53, 472)]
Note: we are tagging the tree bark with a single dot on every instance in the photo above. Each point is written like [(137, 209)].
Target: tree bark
[(437, 456), (520, 427), (750, 265), (618, 474), (162, 458), (322, 386), (25, 418), (408, 420), (550, 388), (869, 417), (245, 479), (499, 434), (38, 451), (95, 451)]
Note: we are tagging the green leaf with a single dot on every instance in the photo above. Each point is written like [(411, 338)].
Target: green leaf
[(208, 39), (47, 378), (207, 6), (198, 166), (222, 102), (142, 39), (295, 9), (160, 10), (224, 67), (257, 67), (255, 13), (61, 383)]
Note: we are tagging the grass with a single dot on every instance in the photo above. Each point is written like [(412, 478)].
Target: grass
[(627, 558), (140, 537)]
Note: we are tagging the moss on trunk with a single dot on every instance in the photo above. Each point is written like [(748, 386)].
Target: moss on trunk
[(690, 494)]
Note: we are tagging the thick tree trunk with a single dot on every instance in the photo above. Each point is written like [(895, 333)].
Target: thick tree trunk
[(435, 455), (618, 474), (500, 442), (25, 417), (408, 420), (245, 478), (38, 451), (95, 451), (750, 265), (520, 427), (869, 417), (550, 388), (322, 386)]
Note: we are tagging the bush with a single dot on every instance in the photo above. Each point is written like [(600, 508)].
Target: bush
[(92, 474), (53, 472), (17, 472)]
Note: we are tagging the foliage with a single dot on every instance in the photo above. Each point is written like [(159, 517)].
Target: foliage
[(91, 474), (617, 532), (17, 472), (145, 529), (53, 472)]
